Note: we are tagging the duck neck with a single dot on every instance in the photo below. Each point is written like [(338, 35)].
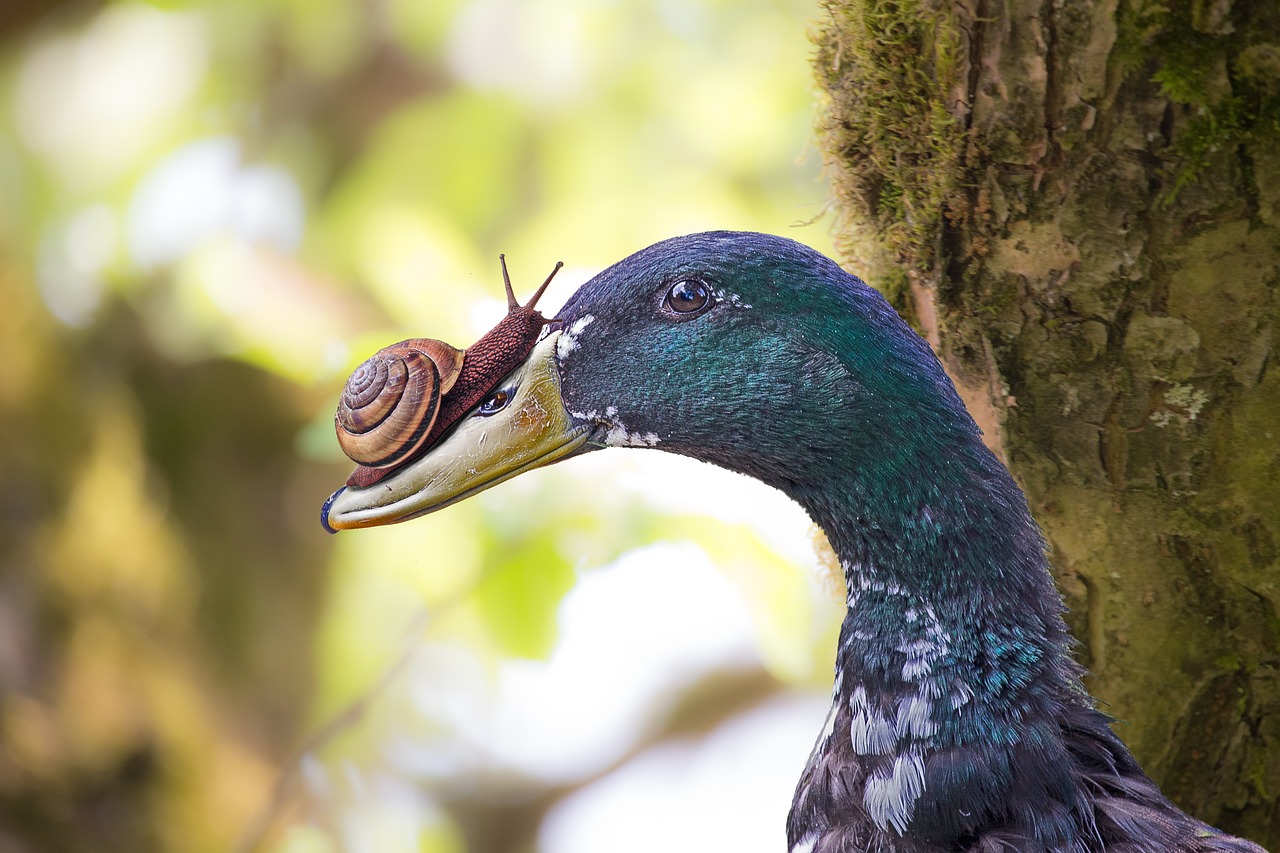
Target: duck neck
[(954, 641)]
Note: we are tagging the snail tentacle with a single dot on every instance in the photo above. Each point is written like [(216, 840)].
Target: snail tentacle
[(512, 304)]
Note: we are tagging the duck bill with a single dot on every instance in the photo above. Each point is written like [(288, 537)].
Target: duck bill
[(533, 430)]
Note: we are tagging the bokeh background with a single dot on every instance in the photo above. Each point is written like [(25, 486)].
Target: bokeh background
[(210, 211)]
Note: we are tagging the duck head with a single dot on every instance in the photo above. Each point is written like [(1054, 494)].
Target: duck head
[(749, 351), (958, 719)]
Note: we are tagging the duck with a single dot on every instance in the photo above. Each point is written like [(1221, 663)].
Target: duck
[(959, 720)]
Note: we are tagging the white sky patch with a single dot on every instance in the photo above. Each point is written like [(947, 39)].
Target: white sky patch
[(631, 635), (380, 812), (536, 50), (730, 792), (485, 313), (203, 191), (92, 100), (679, 485)]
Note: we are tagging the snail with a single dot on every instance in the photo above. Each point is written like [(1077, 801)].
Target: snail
[(405, 396)]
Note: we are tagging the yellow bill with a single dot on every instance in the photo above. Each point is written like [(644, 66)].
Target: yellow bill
[(533, 429)]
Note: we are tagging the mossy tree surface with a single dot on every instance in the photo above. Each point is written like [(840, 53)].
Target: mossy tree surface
[(1080, 204)]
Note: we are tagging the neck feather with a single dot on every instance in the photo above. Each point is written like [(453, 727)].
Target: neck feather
[(953, 667)]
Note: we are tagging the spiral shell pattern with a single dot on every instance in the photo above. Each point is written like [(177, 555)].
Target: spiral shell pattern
[(391, 401)]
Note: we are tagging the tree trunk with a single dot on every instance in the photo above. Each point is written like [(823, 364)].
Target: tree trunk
[(1080, 205)]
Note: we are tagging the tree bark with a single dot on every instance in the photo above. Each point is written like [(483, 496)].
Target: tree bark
[(1080, 205)]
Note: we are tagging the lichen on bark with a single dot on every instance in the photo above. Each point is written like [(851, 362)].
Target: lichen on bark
[(1098, 266)]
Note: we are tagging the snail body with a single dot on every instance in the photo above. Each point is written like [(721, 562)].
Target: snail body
[(404, 397)]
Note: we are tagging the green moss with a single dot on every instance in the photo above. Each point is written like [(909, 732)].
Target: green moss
[(1137, 23), (1214, 63), (1230, 662), (891, 143)]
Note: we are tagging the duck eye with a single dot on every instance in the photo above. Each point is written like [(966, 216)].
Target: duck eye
[(494, 403), (688, 296)]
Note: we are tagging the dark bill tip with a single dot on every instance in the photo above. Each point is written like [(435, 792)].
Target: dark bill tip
[(324, 510)]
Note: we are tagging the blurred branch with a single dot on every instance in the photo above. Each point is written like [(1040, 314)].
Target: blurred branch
[(17, 16), (287, 784), (507, 821), (504, 818)]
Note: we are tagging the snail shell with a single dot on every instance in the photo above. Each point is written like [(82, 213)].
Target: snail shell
[(391, 401), (408, 394)]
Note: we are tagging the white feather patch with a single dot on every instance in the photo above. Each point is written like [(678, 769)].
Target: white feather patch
[(619, 436), (569, 340), (872, 734), (915, 718), (732, 298), (890, 798)]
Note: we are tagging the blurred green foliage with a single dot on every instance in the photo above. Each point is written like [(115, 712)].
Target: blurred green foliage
[(209, 213)]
